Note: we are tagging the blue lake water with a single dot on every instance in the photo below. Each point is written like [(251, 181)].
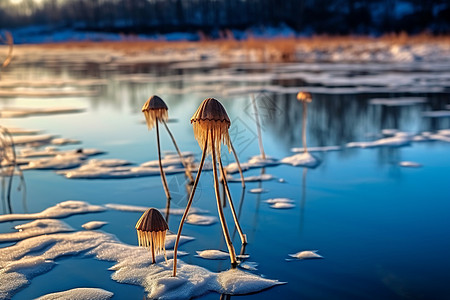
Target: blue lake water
[(382, 229)]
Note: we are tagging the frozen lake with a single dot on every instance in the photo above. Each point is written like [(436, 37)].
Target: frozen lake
[(376, 207)]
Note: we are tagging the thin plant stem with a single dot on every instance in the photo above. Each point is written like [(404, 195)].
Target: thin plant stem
[(220, 210), (163, 175), (239, 164), (186, 167), (167, 210), (258, 128), (241, 202), (188, 205), (233, 211), (153, 247), (305, 107), (10, 41)]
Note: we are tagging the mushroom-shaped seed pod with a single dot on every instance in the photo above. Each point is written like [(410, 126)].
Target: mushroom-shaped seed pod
[(154, 110), (211, 123), (304, 97), (151, 230)]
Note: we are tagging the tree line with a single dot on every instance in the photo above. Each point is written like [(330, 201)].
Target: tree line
[(212, 16)]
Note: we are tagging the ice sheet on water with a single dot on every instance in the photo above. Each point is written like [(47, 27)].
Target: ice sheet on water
[(409, 164), (71, 160), (398, 140), (35, 228), (262, 177), (37, 92), (51, 83), (58, 162), (213, 254), (257, 191), (10, 112), (301, 159), (172, 165), (317, 149), (436, 114), (53, 151), (21, 131), (93, 225), (32, 139), (279, 200), (307, 254), (79, 294), (282, 205), (134, 208), (170, 159), (60, 210), (401, 101), (195, 219), (133, 266), (254, 162), (65, 141)]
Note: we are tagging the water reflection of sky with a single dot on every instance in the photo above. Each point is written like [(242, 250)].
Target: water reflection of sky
[(381, 228)]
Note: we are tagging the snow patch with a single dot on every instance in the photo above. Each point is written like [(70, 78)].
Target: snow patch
[(93, 225), (79, 294), (35, 228), (60, 210), (308, 254), (213, 254), (301, 159), (194, 219)]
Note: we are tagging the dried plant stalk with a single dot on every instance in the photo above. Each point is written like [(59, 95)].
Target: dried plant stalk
[(239, 165), (258, 128), (226, 234), (233, 211), (188, 206), (183, 162), (161, 170), (10, 42)]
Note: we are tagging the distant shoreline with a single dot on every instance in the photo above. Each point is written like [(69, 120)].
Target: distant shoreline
[(385, 49)]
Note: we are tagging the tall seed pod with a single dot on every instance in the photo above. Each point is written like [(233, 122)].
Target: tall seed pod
[(155, 111), (305, 98), (211, 123), (151, 230)]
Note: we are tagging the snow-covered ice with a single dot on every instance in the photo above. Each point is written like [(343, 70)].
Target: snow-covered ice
[(401, 101), (282, 205), (409, 164), (436, 114), (60, 210), (94, 225), (279, 200), (301, 159), (398, 140), (133, 266), (35, 228), (135, 208), (262, 177), (257, 191), (79, 294), (307, 254), (254, 162), (9, 112), (213, 254), (195, 219), (317, 149)]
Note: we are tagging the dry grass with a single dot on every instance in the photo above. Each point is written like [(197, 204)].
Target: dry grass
[(275, 49)]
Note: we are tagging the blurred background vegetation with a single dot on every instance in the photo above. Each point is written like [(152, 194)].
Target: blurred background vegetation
[(224, 18)]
